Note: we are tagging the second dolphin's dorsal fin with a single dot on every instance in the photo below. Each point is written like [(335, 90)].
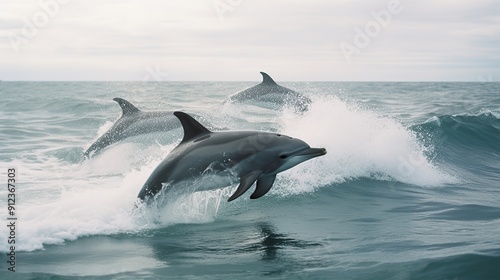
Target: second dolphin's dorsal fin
[(267, 80), (127, 107), (192, 128)]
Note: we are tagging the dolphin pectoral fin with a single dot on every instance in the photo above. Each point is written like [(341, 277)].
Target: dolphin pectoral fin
[(245, 183), (264, 184)]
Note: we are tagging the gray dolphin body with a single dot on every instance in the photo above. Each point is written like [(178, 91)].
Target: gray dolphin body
[(133, 122), (213, 160), (271, 93)]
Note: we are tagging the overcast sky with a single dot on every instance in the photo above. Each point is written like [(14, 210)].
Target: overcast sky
[(228, 40)]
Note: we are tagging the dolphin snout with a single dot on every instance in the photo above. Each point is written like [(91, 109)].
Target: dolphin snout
[(313, 152)]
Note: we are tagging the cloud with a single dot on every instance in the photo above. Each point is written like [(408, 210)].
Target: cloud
[(296, 40)]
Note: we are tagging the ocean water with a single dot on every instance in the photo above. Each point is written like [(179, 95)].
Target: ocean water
[(409, 189)]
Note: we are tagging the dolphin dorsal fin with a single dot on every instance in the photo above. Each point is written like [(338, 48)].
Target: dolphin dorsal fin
[(127, 107), (266, 79), (192, 128)]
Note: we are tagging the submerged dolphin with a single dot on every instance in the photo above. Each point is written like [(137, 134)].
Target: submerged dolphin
[(270, 92), (131, 123), (212, 160)]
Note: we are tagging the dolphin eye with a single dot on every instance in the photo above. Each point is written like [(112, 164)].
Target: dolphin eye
[(283, 156)]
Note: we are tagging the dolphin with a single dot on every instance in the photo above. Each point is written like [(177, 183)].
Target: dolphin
[(209, 160), (270, 92), (131, 123)]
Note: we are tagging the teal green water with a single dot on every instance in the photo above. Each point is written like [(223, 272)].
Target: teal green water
[(409, 188)]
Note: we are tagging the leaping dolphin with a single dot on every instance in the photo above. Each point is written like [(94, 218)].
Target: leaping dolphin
[(270, 92), (131, 123), (212, 160)]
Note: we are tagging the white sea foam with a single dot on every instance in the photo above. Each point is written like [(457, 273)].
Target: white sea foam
[(359, 144), (61, 201)]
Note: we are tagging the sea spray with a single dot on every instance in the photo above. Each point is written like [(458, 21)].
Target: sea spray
[(360, 144)]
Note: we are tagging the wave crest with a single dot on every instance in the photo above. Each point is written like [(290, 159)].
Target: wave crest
[(360, 144)]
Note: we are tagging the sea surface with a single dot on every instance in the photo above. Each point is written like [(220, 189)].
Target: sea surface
[(409, 188)]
